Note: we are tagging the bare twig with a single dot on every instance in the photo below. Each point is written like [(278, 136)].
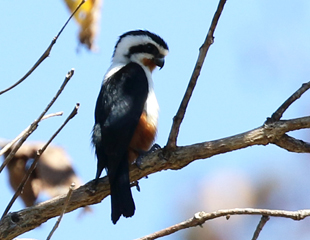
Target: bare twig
[(36, 159), (63, 211), (45, 54), (279, 112), (11, 143), (34, 125), (201, 217), (178, 118), (260, 226)]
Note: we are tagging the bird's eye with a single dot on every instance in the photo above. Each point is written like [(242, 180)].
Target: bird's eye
[(149, 48)]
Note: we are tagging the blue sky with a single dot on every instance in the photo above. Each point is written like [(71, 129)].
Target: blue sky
[(260, 57)]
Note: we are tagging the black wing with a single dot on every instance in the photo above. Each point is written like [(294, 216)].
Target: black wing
[(118, 110)]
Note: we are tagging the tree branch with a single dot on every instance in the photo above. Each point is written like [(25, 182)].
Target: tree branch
[(292, 144), (264, 219), (36, 159), (45, 54), (34, 125), (276, 116), (16, 223), (201, 217), (63, 211), (178, 118), (7, 145)]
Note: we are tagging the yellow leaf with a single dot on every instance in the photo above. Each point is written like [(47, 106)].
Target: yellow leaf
[(88, 18)]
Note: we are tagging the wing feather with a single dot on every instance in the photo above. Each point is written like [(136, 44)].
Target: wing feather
[(119, 107)]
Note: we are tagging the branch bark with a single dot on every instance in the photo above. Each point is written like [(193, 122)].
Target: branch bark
[(36, 159), (264, 219), (35, 124), (201, 217), (178, 118), (24, 220), (296, 95), (6, 145), (173, 157), (63, 211)]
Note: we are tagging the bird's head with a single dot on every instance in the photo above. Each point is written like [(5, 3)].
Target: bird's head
[(142, 47)]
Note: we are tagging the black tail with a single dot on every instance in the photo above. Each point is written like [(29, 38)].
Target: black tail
[(121, 199)]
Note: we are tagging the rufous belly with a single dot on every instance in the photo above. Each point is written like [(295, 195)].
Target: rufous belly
[(142, 139)]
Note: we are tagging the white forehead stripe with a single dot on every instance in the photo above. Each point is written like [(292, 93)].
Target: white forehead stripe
[(134, 40)]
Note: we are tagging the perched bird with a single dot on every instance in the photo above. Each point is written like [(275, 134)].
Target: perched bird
[(126, 113)]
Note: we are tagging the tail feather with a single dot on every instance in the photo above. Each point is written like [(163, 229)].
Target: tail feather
[(121, 198)]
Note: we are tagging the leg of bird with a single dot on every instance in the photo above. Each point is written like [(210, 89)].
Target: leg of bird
[(142, 154)]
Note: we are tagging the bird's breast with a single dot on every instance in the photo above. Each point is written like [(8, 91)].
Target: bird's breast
[(145, 132)]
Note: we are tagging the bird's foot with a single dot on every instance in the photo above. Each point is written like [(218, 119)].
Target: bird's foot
[(144, 153), (135, 184), (93, 187)]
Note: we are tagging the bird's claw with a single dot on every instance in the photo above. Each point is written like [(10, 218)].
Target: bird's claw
[(144, 153), (93, 187)]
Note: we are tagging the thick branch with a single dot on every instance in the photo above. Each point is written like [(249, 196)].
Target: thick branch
[(22, 221)]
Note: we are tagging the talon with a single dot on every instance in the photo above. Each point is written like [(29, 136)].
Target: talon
[(93, 187), (138, 186), (135, 184), (155, 147), (138, 161)]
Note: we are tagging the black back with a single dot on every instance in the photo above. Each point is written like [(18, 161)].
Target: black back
[(118, 109)]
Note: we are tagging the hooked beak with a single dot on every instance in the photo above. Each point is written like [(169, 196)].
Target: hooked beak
[(159, 61)]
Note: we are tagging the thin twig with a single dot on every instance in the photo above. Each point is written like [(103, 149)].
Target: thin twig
[(276, 116), (45, 54), (178, 118), (11, 143), (71, 16), (34, 125), (260, 226), (201, 217), (36, 159), (63, 211)]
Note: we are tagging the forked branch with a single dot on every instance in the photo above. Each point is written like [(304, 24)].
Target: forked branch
[(201, 217), (274, 132), (34, 125), (36, 159), (16, 223)]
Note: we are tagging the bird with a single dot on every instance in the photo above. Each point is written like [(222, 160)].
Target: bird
[(126, 113)]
